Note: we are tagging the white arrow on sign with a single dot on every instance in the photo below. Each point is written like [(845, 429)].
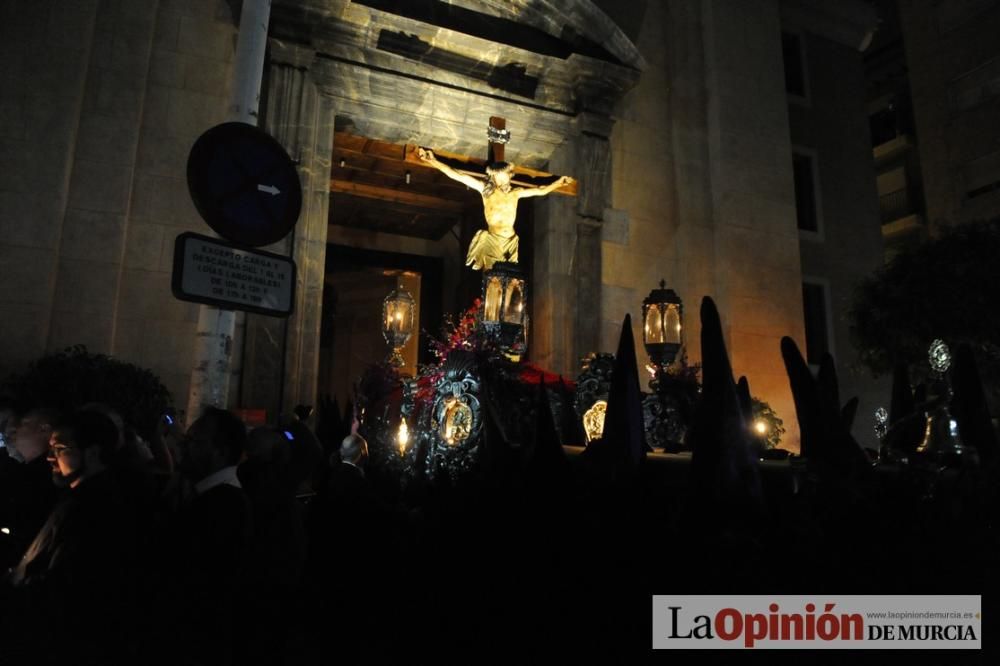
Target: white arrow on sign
[(270, 189)]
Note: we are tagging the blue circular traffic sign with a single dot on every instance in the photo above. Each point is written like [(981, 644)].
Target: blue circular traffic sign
[(244, 184)]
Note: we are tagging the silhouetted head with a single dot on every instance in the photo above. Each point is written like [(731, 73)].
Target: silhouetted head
[(31, 434), (354, 450), (216, 440), (268, 445), (115, 417)]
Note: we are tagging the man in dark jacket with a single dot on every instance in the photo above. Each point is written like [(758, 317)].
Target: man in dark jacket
[(73, 587), (212, 541)]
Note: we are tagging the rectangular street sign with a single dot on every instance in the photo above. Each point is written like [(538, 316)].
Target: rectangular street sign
[(215, 272)]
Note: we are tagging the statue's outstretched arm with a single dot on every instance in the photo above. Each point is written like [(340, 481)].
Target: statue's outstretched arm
[(428, 156), (542, 191)]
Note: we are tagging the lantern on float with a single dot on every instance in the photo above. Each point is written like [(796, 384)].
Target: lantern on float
[(505, 307), (661, 326), (397, 322)]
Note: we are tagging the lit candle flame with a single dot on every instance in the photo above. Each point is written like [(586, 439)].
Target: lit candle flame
[(403, 436)]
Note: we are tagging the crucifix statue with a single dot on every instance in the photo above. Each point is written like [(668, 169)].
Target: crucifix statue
[(498, 242)]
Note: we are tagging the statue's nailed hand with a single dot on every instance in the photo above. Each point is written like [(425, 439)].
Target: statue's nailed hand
[(426, 154), (565, 181)]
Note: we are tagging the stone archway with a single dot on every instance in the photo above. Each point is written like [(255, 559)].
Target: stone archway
[(432, 73)]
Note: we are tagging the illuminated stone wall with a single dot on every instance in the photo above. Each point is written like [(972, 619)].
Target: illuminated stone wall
[(702, 187), (103, 102)]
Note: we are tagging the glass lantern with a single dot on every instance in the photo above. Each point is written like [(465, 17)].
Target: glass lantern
[(505, 307), (397, 322), (661, 326)]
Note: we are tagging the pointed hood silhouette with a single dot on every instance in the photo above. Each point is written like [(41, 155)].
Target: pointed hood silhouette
[(746, 402), (498, 459), (329, 424), (624, 432), (969, 405), (545, 462), (723, 468), (906, 425), (570, 425), (902, 403), (347, 423), (336, 418), (824, 437), (849, 412), (829, 389)]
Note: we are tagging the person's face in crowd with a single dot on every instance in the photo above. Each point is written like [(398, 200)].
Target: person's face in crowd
[(199, 456), (68, 462), (31, 437)]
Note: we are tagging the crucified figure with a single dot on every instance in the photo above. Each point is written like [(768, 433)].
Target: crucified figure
[(497, 242)]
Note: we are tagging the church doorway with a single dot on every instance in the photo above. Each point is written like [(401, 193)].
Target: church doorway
[(392, 224), (357, 281)]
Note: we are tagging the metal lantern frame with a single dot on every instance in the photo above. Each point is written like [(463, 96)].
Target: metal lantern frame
[(399, 305), (505, 307), (656, 309)]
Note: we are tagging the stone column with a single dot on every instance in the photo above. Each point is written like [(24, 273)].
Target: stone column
[(594, 166), (282, 356), (567, 270)]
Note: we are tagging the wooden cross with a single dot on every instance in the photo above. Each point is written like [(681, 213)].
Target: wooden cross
[(521, 176)]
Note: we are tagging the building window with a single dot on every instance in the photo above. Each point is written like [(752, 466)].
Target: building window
[(815, 307), (893, 118), (882, 125), (795, 65), (982, 175), (898, 197), (807, 200), (976, 87)]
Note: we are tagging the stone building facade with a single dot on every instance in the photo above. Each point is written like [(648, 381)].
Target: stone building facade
[(953, 59), (101, 104), (933, 76), (839, 229), (672, 115)]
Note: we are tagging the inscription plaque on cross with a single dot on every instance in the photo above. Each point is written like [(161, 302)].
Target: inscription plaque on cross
[(501, 186), (498, 136)]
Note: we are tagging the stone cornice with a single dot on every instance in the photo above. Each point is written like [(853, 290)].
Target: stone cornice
[(288, 53), (350, 33), (406, 99), (553, 16)]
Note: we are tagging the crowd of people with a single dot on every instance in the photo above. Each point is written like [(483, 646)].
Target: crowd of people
[(192, 547), (219, 545)]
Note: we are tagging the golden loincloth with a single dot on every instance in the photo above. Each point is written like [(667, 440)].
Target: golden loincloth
[(486, 249)]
